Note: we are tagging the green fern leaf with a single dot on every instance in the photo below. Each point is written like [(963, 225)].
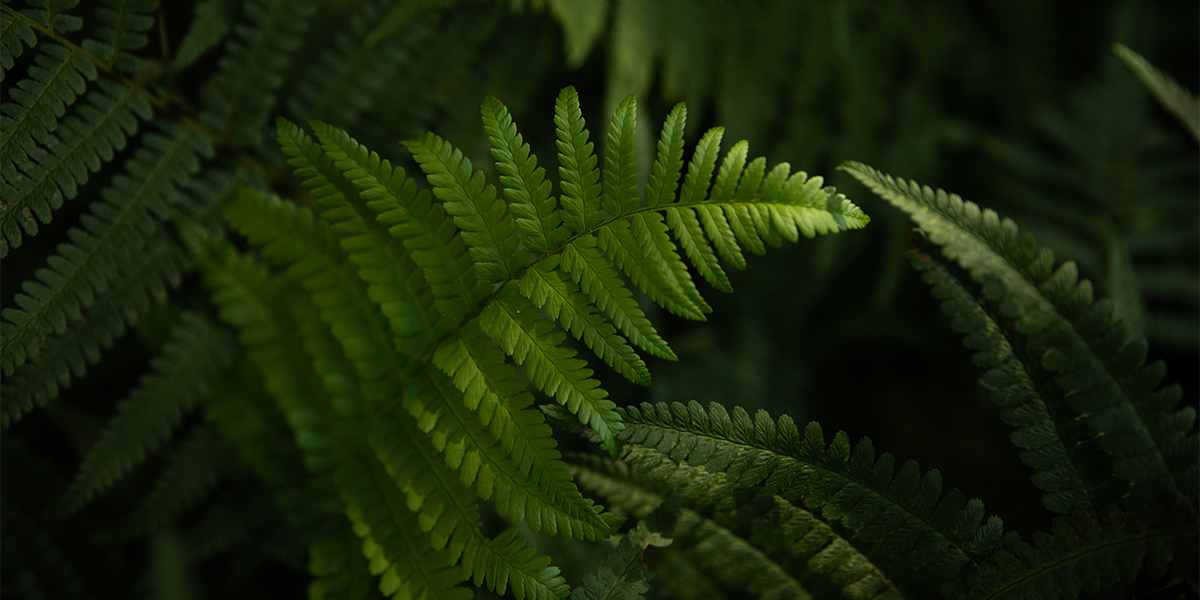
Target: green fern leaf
[(448, 515), (392, 539), (468, 447), (577, 165), (436, 246), (350, 78), (1173, 97), (639, 247), (15, 35), (553, 292), (159, 266), (1026, 393), (57, 77), (664, 175), (211, 22), (525, 185), (583, 260), (1100, 369), (684, 223), (393, 281), (583, 22), (239, 97), (764, 529), (117, 227), (190, 359), (122, 27), (708, 453), (620, 574), (1083, 554), (486, 226), (691, 236), (407, 566), (144, 280), (445, 511), (506, 558), (716, 550), (190, 474), (52, 15), (412, 217), (491, 389), (620, 167), (552, 368), (87, 139)]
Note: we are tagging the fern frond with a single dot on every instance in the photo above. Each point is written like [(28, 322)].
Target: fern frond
[(525, 184), (1028, 397), (158, 266), (445, 510), (35, 104), (15, 35), (349, 78), (536, 344), (486, 225), (1082, 554), (720, 552), (392, 202), (620, 574), (468, 447), (122, 27), (555, 293), (239, 97), (52, 15), (191, 473), (408, 567), (684, 222), (796, 541), (1101, 371), (1173, 97), (583, 260), (211, 22), (86, 140), (117, 227), (392, 540), (506, 559), (393, 280), (190, 359), (899, 519), (577, 165)]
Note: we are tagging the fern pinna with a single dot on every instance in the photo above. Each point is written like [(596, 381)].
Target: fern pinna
[(390, 344)]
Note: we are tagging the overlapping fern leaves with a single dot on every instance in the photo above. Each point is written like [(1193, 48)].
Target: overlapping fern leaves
[(414, 306), (1087, 351), (1108, 445)]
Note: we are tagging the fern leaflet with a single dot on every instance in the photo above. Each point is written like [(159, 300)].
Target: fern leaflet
[(191, 358)]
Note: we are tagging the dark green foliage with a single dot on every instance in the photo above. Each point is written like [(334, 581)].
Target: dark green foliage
[(1088, 350), (373, 429)]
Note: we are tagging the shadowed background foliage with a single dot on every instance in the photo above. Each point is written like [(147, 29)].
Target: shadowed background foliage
[(1018, 105)]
